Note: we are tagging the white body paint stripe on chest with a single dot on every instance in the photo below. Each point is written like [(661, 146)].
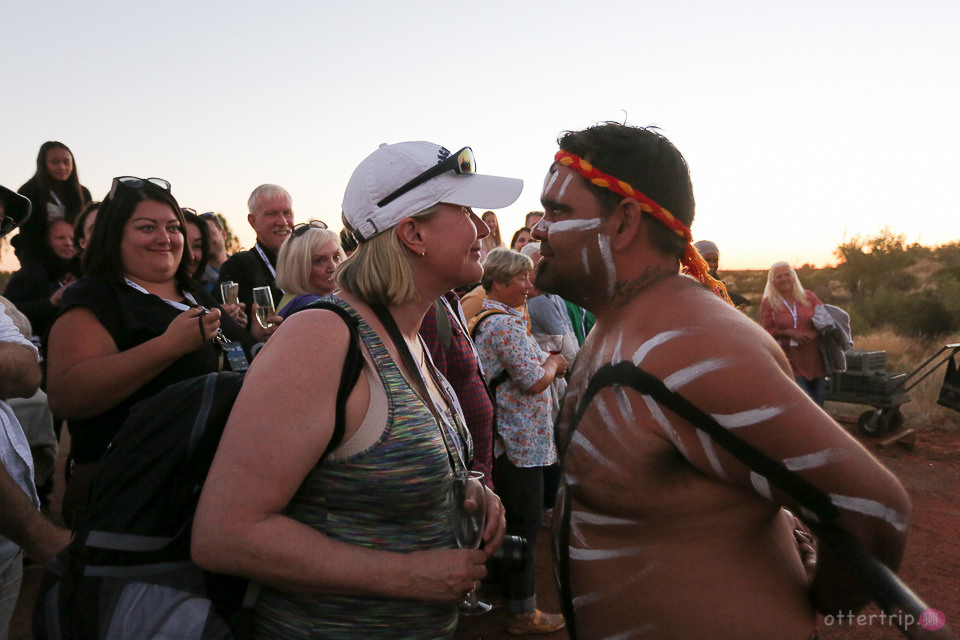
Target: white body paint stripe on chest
[(814, 460), (601, 554), (872, 508), (761, 484), (655, 342), (676, 380), (747, 418), (580, 440), (711, 452)]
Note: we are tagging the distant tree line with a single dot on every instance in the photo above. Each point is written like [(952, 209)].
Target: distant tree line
[(881, 281)]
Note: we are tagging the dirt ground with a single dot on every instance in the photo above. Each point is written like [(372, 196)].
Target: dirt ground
[(931, 474)]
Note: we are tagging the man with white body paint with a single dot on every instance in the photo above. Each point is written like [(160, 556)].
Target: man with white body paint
[(664, 534)]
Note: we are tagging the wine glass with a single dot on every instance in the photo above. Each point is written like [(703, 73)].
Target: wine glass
[(263, 298), (228, 291), (468, 512)]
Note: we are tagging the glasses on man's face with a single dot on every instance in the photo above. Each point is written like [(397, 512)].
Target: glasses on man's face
[(131, 182), (461, 162), (300, 229)]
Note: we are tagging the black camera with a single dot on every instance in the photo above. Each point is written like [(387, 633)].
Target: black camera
[(512, 554)]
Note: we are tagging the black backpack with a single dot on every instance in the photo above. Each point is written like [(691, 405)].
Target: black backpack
[(127, 572)]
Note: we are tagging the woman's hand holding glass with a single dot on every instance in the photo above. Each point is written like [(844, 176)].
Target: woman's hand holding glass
[(477, 515)]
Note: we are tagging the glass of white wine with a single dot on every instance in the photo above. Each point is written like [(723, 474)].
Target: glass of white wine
[(263, 299), (229, 291)]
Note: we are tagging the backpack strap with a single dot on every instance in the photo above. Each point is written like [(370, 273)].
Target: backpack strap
[(504, 375), (443, 324), (352, 366)]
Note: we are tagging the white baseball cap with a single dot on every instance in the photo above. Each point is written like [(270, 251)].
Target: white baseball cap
[(390, 185)]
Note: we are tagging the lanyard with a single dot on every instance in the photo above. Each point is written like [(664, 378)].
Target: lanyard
[(456, 432), (173, 303), (263, 257), (793, 312)]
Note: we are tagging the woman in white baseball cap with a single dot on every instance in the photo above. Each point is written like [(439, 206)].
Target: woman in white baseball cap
[(359, 537)]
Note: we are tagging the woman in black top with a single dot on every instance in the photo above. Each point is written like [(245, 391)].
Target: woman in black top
[(133, 325), (55, 192)]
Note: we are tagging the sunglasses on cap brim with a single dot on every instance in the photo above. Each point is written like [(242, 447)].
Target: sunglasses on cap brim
[(461, 162)]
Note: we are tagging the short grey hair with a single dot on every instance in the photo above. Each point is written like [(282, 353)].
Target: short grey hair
[(502, 264), (266, 191)]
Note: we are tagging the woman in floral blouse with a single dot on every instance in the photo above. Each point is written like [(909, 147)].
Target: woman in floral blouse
[(524, 443)]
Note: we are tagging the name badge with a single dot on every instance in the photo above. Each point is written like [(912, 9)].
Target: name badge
[(236, 358)]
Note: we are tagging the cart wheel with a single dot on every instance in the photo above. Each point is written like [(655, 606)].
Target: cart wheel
[(894, 419), (873, 423)]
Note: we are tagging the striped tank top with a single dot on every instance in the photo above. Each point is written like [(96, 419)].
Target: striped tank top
[(391, 496)]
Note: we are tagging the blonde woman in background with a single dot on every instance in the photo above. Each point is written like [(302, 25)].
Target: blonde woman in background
[(786, 313), (306, 265), (493, 240)]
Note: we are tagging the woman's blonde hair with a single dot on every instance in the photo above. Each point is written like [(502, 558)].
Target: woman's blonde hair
[(380, 271), (502, 264), (295, 259), (797, 294), (492, 240)]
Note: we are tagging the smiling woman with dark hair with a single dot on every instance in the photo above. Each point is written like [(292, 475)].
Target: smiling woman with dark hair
[(133, 325), (55, 192)]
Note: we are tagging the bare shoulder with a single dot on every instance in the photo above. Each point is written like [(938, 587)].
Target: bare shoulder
[(306, 336)]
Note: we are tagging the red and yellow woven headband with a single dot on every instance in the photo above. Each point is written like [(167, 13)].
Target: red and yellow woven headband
[(692, 261)]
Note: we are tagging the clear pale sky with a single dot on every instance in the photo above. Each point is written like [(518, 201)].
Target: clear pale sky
[(802, 123)]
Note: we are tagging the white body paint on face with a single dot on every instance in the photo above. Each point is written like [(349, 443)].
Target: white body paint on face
[(604, 242), (548, 182), (747, 418), (871, 508), (711, 452), (565, 226), (761, 484), (814, 460), (678, 379), (563, 185), (653, 343), (586, 262)]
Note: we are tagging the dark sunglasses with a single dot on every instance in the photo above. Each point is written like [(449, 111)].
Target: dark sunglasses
[(188, 210), (461, 162), (300, 229), (130, 182)]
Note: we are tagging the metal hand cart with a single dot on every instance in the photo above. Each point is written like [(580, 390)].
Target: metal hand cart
[(866, 382)]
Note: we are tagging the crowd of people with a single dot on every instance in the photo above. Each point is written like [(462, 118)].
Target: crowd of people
[(507, 360)]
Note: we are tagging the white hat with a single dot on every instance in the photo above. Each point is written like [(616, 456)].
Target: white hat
[(391, 166)]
